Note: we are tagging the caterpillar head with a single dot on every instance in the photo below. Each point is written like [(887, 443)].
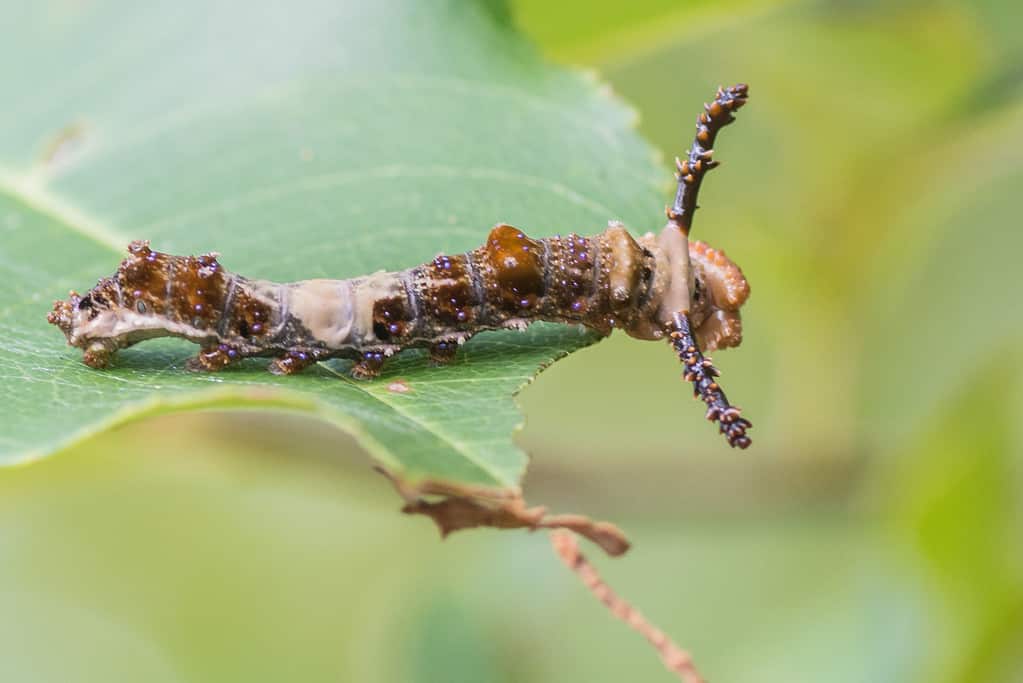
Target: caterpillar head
[(720, 291)]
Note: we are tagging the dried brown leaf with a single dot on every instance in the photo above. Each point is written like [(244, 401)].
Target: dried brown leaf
[(460, 507)]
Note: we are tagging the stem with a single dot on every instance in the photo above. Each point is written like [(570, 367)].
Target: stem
[(675, 658)]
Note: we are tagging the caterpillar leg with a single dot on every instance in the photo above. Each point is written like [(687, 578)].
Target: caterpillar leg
[(703, 374), (213, 358), (97, 355), (443, 352), (291, 363), (712, 119), (370, 365)]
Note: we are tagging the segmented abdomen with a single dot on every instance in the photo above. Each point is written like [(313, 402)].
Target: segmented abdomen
[(604, 281), (600, 281), (194, 295)]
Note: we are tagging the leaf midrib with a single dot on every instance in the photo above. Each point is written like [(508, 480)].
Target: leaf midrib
[(29, 192), (455, 445)]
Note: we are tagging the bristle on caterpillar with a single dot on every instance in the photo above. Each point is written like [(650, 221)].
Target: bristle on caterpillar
[(651, 288)]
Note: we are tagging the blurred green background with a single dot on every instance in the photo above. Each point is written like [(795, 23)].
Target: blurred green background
[(873, 532)]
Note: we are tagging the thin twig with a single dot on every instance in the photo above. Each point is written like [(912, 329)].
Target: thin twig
[(675, 658)]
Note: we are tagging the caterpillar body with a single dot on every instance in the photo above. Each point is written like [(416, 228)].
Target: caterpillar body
[(656, 287)]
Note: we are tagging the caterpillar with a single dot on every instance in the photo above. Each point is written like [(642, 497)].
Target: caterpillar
[(655, 287)]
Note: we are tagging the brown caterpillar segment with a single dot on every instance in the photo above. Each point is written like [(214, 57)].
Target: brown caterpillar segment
[(448, 291), (254, 311), (570, 275), (512, 270), (651, 288)]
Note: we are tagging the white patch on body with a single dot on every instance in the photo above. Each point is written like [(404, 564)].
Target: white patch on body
[(126, 324), (324, 307), (367, 291)]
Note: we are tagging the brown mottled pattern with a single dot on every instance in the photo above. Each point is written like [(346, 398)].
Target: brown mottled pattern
[(199, 291), (186, 289), (103, 296), (600, 303), (604, 282), (392, 318), (597, 281), (248, 318), (570, 283), (512, 271), (446, 292), (143, 278)]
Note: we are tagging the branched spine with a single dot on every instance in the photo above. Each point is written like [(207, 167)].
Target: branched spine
[(702, 373), (712, 119)]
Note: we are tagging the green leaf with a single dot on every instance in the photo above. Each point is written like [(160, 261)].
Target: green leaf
[(321, 141), (585, 32), (954, 495), (946, 280)]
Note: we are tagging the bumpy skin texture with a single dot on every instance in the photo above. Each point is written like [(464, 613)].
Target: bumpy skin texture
[(657, 287), (703, 375), (604, 282)]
